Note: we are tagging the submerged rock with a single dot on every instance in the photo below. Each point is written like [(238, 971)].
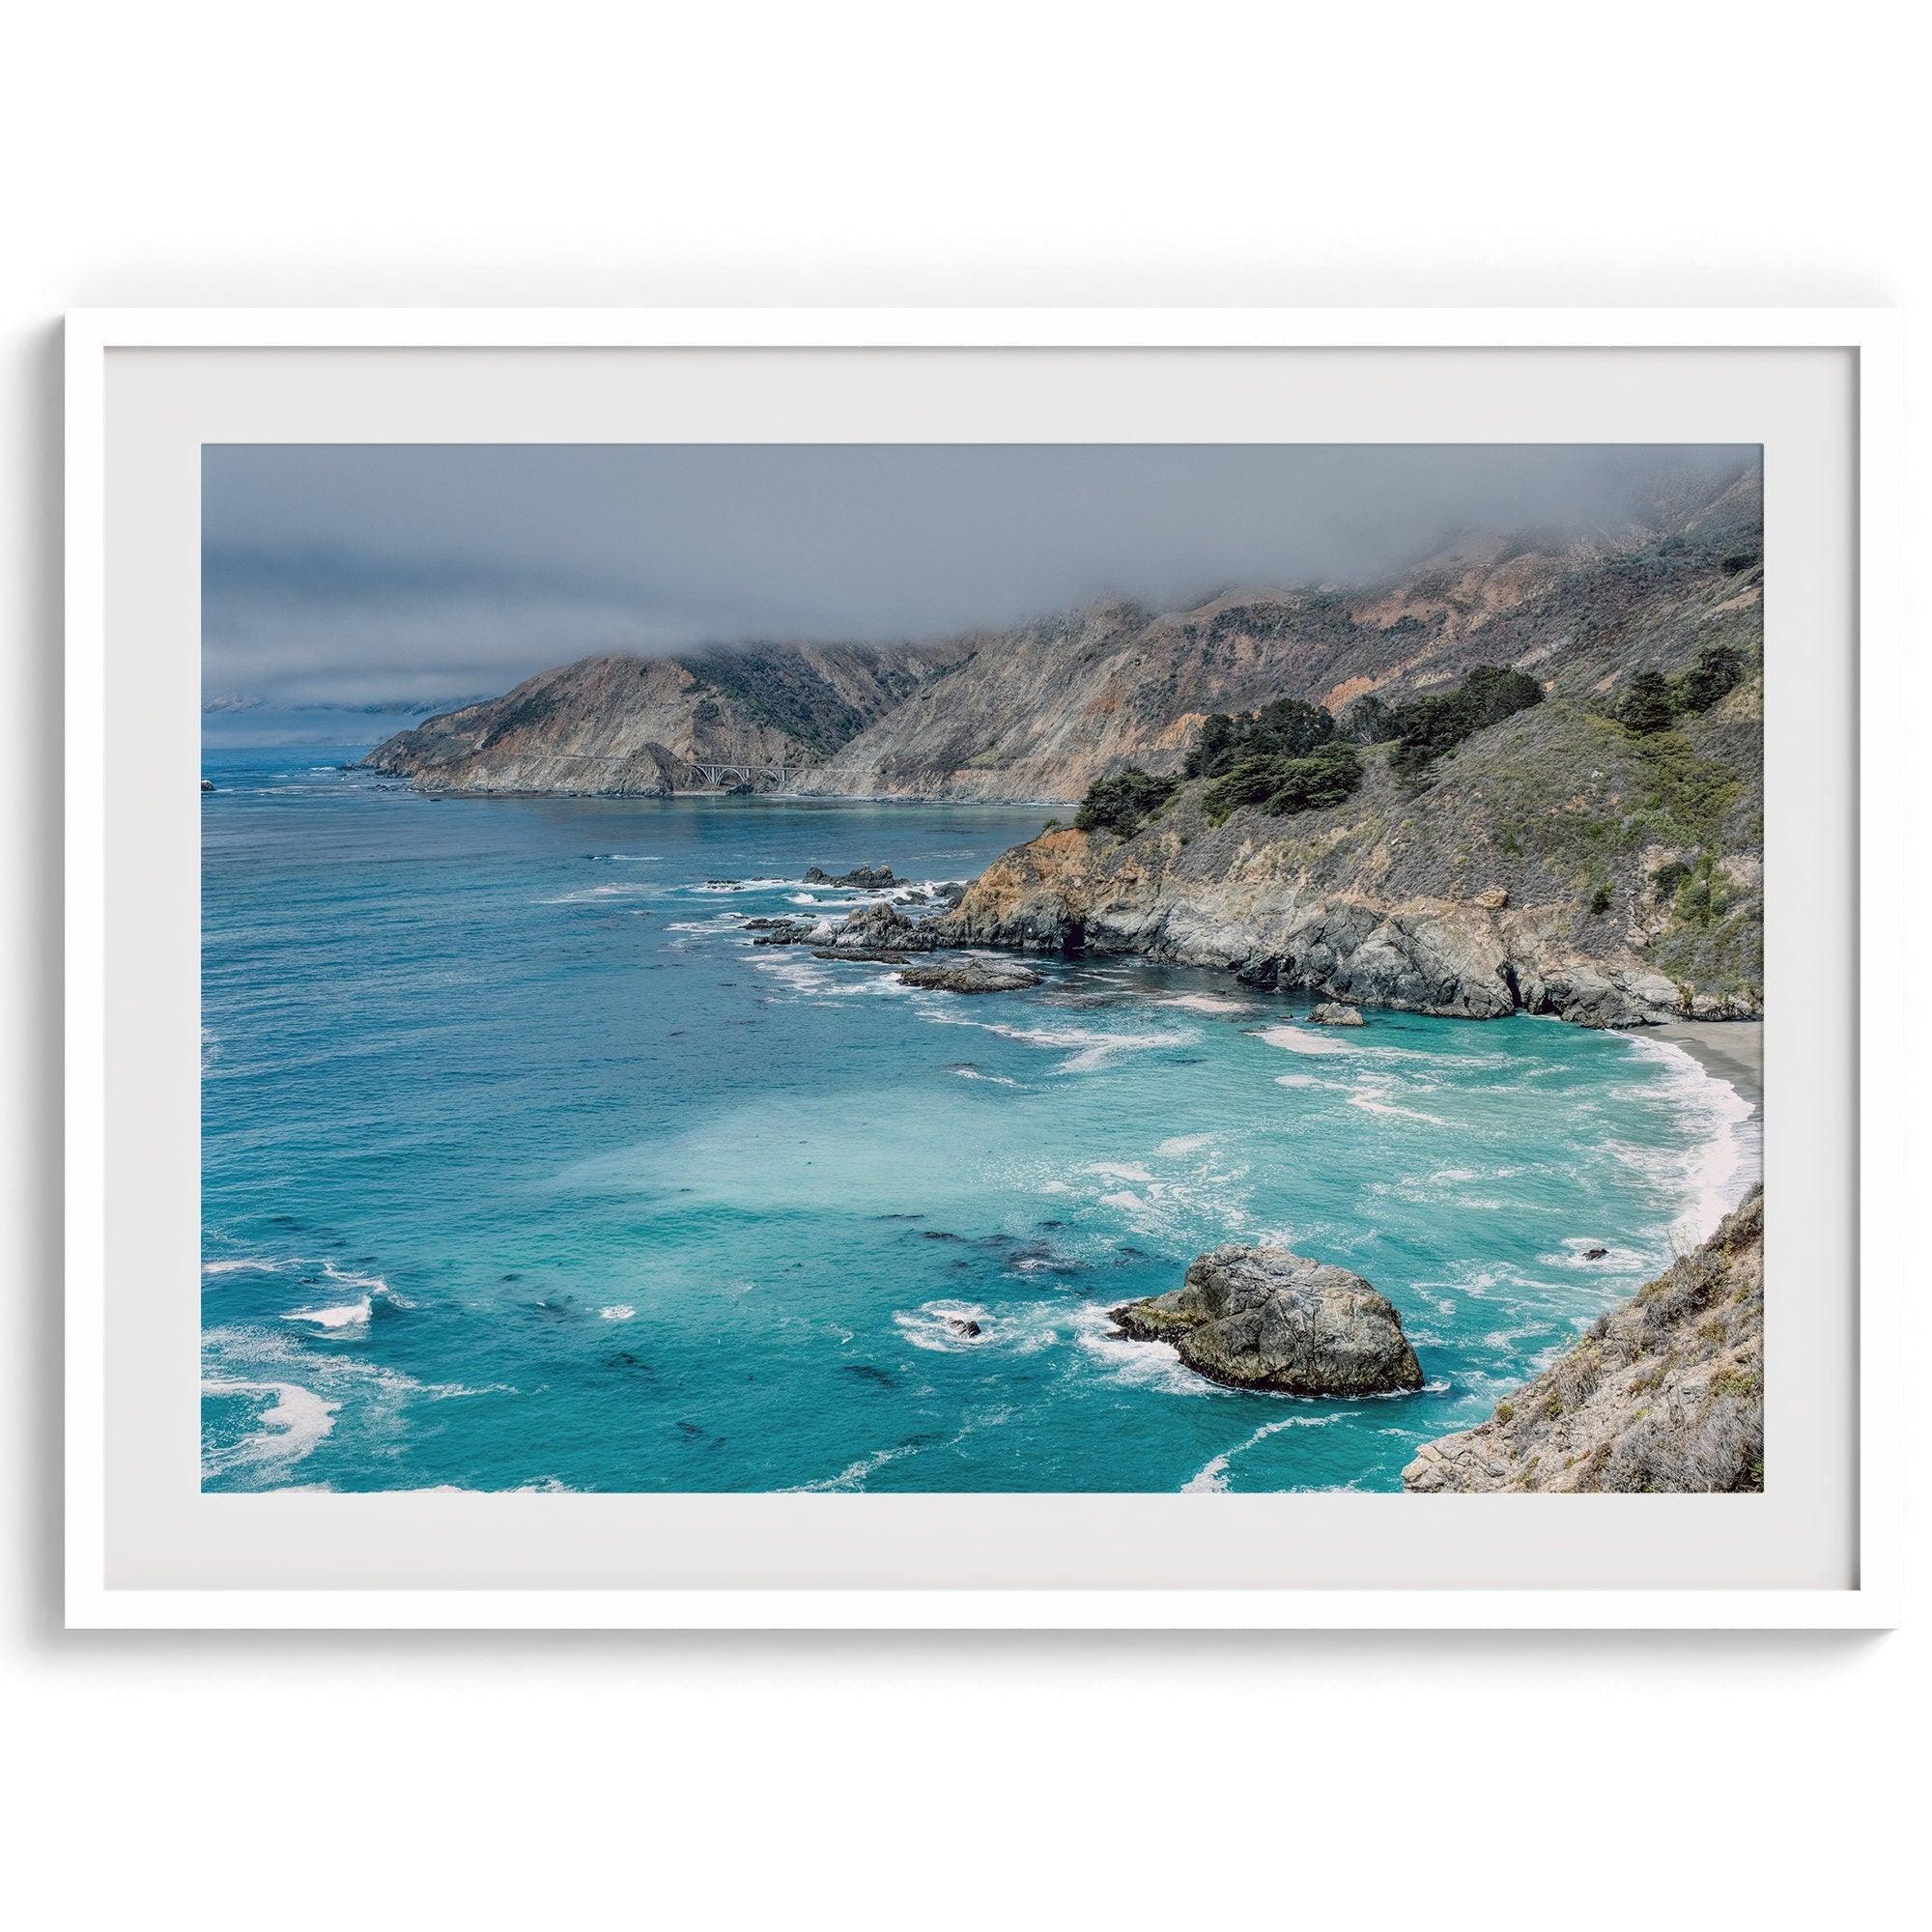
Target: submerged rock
[(968, 976), (1331, 1012), (1268, 1319), (208, 784)]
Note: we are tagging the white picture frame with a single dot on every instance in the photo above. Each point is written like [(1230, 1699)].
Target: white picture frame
[(1870, 1596)]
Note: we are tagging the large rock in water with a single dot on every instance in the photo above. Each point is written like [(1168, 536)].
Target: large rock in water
[(882, 927), (1268, 1319), (970, 975)]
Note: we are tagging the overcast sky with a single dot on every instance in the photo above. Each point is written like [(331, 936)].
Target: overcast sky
[(392, 574)]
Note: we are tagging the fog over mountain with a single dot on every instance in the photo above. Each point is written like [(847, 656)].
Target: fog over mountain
[(389, 579)]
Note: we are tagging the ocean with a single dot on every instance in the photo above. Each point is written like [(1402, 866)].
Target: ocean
[(522, 1168)]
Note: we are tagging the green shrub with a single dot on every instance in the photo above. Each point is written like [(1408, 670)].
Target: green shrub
[(1124, 801), (1717, 673), (1368, 722), (1287, 729), (1283, 785), (1600, 900), (1646, 705), (1325, 777), (1428, 728), (1703, 895)]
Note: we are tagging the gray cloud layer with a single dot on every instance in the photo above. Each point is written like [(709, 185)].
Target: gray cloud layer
[(363, 575)]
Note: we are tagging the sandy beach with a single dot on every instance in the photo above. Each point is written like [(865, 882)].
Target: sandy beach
[(1731, 1049)]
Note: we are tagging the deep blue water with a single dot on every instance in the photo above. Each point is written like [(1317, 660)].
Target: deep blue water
[(522, 1167)]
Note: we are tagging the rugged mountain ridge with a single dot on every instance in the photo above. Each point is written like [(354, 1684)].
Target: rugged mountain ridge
[(626, 726), (1042, 712), (1664, 1393)]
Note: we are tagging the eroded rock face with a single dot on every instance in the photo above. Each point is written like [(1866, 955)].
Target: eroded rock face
[(970, 975), (1268, 1319), (1330, 1014)]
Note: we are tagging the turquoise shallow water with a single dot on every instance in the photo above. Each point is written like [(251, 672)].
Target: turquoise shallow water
[(522, 1168)]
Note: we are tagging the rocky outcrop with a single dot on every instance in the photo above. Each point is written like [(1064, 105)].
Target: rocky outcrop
[(646, 728), (970, 975), (1664, 1393), (883, 928), (1330, 1012), (861, 878), (1266, 1318)]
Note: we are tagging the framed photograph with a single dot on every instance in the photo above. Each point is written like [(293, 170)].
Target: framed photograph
[(984, 969)]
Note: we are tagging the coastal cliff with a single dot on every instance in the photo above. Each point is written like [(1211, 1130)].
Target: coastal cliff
[(1664, 1393), (622, 726), (1555, 863)]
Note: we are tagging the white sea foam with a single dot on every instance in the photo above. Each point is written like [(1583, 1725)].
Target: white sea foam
[(1121, 1170), (595, 895), (1300, 1039), (1212, 1477), (1372, 1094), (1730, 1155), (931, 1327), (1579, 1251), (346, 1315), (740, 886), (625, 857), (1093, 1049), (801, 976), (975, 1074), (853, 1475), (719, 922), (1138, 1364), (339, 1315), (619, 1310), (294, 1420), (1022, 1330), (1206, 1003), (1180, 1144), (242, 1265), (1297, 1080)]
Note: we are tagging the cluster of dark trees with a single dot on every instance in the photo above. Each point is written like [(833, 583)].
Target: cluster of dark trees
[(1425, 728), (1124, 802), (1653, 702), (1288, 756), (1292, 756)]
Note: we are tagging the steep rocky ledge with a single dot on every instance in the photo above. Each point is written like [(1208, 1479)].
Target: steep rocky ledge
[(1665, 1393), (1556, 864)]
